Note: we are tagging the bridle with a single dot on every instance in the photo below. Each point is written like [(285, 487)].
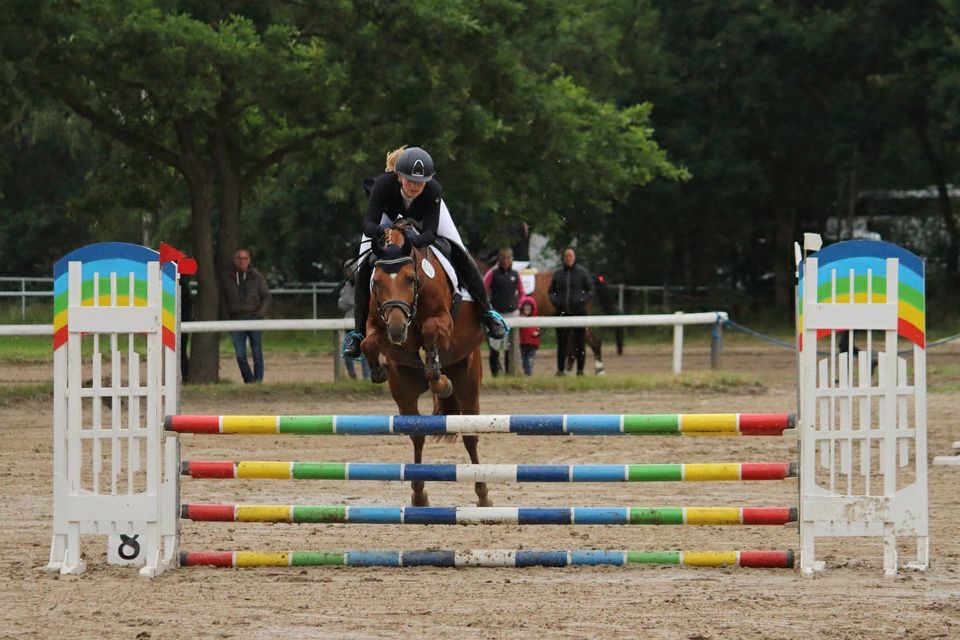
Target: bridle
[(409, 309)]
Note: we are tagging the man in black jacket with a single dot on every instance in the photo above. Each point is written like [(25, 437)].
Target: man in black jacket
[(506, 288), (570, 289), (244, 295)]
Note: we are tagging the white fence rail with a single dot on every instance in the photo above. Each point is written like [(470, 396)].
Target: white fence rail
[(677, 320)]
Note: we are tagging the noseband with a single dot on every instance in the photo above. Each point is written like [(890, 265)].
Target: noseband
[(409, 310)]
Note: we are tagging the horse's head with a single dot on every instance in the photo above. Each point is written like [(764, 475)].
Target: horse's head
[(396, 283)]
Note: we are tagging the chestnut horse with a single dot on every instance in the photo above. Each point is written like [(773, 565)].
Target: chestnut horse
[(411, 309)]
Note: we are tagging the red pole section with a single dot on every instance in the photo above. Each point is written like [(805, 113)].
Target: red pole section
[(767, 470), (208, 512), (769, 515), (208, 558), (765, 424), (770, 559), (192, 424), (208, 469)]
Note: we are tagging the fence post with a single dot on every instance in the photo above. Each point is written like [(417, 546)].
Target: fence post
[(716, 343), (513, 365), (23, 299), (337, 339), (677, 346)]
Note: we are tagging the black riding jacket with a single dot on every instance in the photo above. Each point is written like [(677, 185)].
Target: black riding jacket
[(570, 289), (385, 198)]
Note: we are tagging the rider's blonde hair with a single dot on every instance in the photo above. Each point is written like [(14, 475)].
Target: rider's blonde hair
[(392, 159)]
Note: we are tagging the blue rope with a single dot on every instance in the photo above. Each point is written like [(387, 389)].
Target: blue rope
[(780, 343), (937, 343)]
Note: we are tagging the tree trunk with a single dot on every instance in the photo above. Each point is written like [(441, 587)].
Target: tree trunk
[(228, 235), (205, 352), (205, 347)]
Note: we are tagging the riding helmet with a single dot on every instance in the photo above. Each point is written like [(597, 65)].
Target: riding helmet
[(415, 165)]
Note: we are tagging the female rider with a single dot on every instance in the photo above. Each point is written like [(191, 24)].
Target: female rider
[(409, 190)]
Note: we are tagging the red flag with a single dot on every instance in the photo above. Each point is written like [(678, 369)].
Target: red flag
[(168, 253)]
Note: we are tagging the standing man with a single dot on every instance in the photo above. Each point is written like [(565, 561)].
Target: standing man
[(244, 295), (505, 289), (570, 289)]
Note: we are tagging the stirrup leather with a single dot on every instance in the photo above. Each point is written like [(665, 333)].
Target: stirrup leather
[(343, 347)]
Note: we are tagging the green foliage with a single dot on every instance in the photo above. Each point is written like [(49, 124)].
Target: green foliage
[(677, 143)]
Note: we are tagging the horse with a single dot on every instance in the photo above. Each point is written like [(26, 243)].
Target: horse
[(541, 294), (412, 308)]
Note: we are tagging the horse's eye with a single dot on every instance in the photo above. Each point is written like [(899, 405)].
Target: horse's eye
[(411, 279)]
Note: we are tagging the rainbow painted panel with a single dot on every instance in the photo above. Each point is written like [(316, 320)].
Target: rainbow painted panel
[(99, 261), (867, 260)]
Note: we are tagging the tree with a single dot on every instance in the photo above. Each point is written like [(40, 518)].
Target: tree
[(223, 94)]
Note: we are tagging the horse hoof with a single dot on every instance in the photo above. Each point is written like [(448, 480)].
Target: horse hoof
[(378, 375), (447, 391), (420, 500), (485, 502), (599, 370)]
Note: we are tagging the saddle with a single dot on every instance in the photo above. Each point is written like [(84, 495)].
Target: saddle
[(392, 262)]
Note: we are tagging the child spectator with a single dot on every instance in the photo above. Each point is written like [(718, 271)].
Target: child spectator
[(529, 336)]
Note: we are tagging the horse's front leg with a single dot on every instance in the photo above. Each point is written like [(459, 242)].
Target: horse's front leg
[(419, 496), (436, 333), (371, 351), (471, 443)]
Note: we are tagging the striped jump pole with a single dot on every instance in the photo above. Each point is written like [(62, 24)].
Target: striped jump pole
[(688, 424), (706, 472), (487, 558), (490, 515)]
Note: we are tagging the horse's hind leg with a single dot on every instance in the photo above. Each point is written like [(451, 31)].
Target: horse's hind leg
[(466, 384), (596, 345), (471, 443), (419, 497)]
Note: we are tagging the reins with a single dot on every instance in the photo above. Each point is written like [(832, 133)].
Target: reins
[(409, 309)]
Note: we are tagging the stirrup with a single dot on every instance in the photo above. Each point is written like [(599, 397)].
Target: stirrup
[(353, 335), (496, 317)]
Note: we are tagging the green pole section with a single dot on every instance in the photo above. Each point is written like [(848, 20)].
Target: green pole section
[(316, 558), (653, 515), (653, 557), (306, 425), (319, 471), (666, 423), (320, 514), (655, 472)]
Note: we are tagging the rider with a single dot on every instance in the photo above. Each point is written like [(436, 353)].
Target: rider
[(407, 189)]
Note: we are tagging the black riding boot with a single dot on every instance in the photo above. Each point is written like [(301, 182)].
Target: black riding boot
[(361, 308), (470, 277)]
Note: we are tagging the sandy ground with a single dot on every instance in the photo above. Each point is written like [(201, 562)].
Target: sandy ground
[(850, 600)]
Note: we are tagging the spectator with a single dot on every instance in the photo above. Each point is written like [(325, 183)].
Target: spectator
[(245, 296), (570, 289), (506, 289), (529, 336), (346, 303)]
